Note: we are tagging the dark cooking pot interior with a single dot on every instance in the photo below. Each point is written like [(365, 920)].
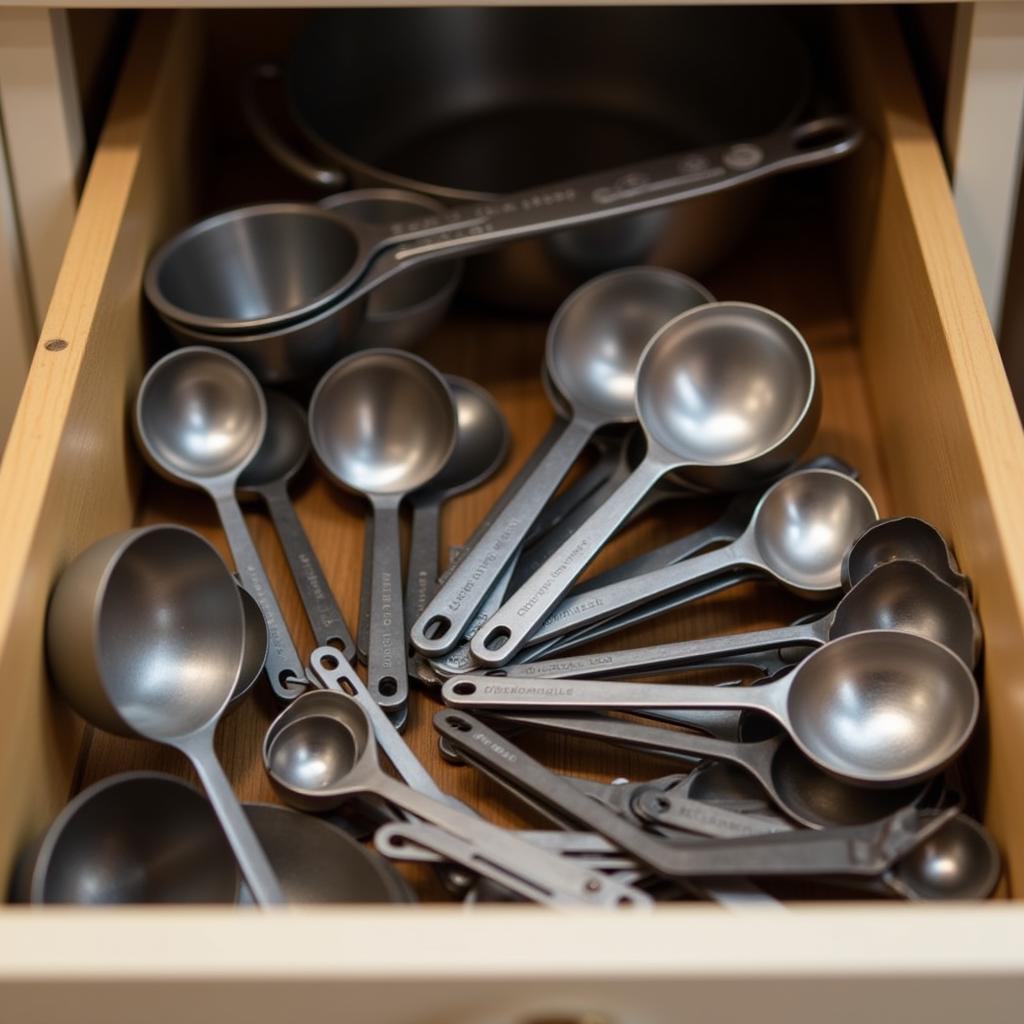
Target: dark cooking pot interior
[(499, 99)]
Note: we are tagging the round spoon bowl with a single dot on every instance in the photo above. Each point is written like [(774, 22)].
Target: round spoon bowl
[(481, 442), (139, 837), (598, 334), (805, 524), (318, 863), (200, 414), (253, 268), (959, 862), (729, 389), (883, 708), (285, 446), (382, 422), (145, 632)]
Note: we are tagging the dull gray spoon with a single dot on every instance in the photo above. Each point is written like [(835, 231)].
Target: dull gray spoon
[(283, 453)]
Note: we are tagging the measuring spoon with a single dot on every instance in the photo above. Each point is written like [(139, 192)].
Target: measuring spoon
[(317, 761), (811, 797), (902, 596), (200, 419), (797, 535), (145, 636), (880, 708), (904, 538), (726, 394), (853, 849), (383, 424), (283, 453), (591, 354)]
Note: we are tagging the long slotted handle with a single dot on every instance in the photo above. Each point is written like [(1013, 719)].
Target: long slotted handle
[(284, 668), (596, 197), (253, 862), (445, 619), (424, 552), (519, 617), (858, 850), (385, 660), (325, 618)]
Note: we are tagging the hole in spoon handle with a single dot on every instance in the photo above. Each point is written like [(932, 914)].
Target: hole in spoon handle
[(386, 665)]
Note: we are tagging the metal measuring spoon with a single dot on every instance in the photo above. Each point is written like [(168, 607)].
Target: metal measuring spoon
[(318, 761), (593, 347), (481, 446), (383, 424), (137, 837), (145, 636), (880, 708), (797, 535), (857, 849), (200, 419), (904, 538), (902, 596), (811, 797), (283, 453), (748, 418), (254, 657)]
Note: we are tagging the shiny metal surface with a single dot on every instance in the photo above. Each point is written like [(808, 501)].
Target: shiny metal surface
[(382, 422), (252, 269), (597, 337), (319, 863), (958, 862), (138, 837), (254, 656), (200, 415), (483, 122), (285, 446), (400, 313)]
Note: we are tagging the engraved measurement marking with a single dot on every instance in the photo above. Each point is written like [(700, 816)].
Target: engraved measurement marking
[(566, 566), (496, 690), (387, 643), (503, 752), (481, 568), (577, 609)]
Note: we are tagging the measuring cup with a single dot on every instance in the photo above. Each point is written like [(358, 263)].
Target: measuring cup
[(317, 761), (145, 636), (283, 453), (726, 394), (879, 708), (797, 535), (593, 347), (200, 419), (853, 849), (901, 596), (382, 424)]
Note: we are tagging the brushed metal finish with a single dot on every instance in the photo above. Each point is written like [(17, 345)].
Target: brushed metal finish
[(254, 656), (138, 837), (726, 394)]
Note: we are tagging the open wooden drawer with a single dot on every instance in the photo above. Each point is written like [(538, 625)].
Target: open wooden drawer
[(878, 279)]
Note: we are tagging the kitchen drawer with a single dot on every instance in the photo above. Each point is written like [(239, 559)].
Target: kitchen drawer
[(868, 260)]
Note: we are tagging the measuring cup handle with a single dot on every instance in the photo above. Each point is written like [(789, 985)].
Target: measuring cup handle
[(443, 622), (259, 123), (283, 665), (424, 550), (520, 616), (386, 677), (252, 860), (325, 618)]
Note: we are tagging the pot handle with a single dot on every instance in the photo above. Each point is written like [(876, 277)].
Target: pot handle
[(272, 141)]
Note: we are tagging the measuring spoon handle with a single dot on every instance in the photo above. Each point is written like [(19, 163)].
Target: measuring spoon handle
[(325, 618), (385, 659), (283, 664), (521, 615), (452, 608), (595, 197), (424, 552)]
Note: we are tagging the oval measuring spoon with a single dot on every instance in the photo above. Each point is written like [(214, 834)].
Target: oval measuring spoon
[(808, 795), (145, 636), (200, 419), (798, 534), (317, 761), (383, 424), (283, 453), (850, 849), (481, 446), (726, 394), (902, 596), (880, 708), (904, 538), (591, 355)]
